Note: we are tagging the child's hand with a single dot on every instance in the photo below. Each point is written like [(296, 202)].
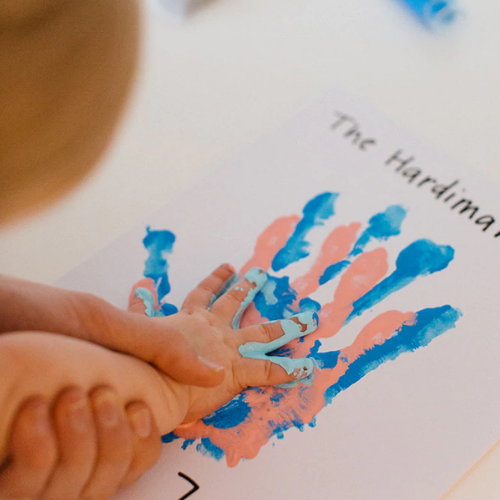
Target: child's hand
[(211, 329), (82, 447)]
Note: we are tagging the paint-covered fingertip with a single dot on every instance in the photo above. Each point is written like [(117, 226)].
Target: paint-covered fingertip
[(146, 297), (309, 319), (257, 276), (305, 369)]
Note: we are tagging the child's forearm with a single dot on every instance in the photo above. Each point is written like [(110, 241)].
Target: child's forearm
[(44, 364)]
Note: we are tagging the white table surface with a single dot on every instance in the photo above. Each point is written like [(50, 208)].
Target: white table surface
[(214, 83)]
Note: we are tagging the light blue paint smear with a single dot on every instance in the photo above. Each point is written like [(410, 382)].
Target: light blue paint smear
[(315, 213), (230, 282), (165, 309), (256, 277), (307, 322), (420, 258), (159, 245), (428, 324), (145, 295), (381, 227)]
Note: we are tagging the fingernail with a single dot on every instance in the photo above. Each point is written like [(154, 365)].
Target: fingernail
[(107, 409), (41, 419), (79, 414), (213, 366), (229, 267), (141, 422)]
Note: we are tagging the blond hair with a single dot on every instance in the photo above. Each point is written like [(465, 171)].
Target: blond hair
[(65, 73)]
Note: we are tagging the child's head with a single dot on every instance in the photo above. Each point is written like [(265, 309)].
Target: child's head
[(65, 72)]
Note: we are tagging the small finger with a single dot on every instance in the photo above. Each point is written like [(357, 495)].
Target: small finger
[(146, 441), (114, 442), (232, 305), (76, 437), (203, 296), (33, 452), (273, 370), (143, 298), (268, 337)]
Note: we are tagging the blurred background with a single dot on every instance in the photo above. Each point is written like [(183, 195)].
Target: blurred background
[(213, 82)]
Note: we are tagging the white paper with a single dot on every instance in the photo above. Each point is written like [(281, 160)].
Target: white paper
[(407, 429)]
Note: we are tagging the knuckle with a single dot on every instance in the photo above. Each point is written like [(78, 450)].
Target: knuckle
[(205, 287), (238, 381), (189, 310), (268, 368), (269, 331), (233, 297)]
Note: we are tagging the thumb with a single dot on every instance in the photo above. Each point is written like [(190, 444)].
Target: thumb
[(166, 348), (143, 298)]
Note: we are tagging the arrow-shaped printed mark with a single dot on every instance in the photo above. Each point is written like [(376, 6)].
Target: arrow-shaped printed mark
[(192, 482)]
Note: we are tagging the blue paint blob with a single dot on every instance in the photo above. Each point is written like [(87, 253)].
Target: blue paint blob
[(207, 448), (279, 429), (159, 245), (326, 359), (277, 397), (308, 304), (187, 443), (381, 227), (315, 213), (169, 438), (420, 258), (275, 299), (333, 271), (428, 324), (232, 414), (168, 309)]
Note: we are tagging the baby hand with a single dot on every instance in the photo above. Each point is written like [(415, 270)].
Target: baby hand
[(207, 326)]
